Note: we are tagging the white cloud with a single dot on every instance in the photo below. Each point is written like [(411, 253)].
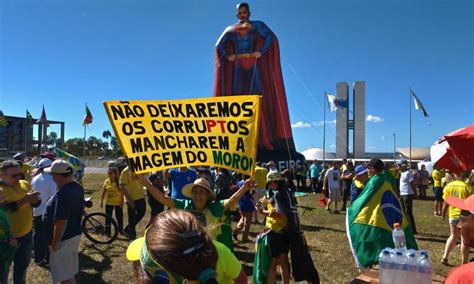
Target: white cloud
[(321, 123), (383, 138), (371, 147), (301, 124), (374, 118), (333, 146)]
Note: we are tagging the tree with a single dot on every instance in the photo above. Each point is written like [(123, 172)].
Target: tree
[(52, 139), (107, 135)]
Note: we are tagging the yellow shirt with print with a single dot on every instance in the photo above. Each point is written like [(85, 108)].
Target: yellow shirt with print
[(437, 175), (457, 189), (114, 195), (21, 220), (133, 186)]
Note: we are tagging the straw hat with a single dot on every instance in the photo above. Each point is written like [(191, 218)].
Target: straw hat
[(187, 189)]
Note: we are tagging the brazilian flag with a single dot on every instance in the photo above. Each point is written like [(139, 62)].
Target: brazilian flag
[(73, 160), (370, 220)]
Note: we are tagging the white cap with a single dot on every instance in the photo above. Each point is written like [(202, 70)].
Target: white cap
[(59, 167), (44, 163)]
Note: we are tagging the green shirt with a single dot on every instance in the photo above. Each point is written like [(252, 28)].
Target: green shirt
[(217, 221)]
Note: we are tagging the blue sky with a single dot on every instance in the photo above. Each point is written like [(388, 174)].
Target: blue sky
[(65, 53)]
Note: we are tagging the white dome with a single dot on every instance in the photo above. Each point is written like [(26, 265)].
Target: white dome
[(316, 153)]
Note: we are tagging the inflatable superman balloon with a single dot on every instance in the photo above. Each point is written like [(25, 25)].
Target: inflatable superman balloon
[(247, 62)]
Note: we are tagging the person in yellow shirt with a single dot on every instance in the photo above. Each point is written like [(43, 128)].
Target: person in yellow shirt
[(133, 191), (114, 201), (437, 175), (457, 188), (19, 201)]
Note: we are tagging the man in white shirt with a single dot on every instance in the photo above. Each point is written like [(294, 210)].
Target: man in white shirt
[(407, 192), (45, 185), (332, 180)]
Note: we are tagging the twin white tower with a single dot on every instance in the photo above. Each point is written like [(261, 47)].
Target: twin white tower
[(344, 123)]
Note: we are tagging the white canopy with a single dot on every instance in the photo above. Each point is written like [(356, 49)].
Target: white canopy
[(316, 153)]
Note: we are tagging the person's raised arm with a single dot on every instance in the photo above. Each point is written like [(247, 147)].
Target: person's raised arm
[(156, 193), (236, 196)]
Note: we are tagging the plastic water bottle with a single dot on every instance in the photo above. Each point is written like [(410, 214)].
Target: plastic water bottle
[(424, 269), (386, 267), (399, 267), (398, 237), (411, 268)]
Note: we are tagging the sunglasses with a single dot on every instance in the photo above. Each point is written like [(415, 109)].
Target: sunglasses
[(18, 175)]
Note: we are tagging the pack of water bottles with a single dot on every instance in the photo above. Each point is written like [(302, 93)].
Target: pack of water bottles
[(400, 265), (404, 266)]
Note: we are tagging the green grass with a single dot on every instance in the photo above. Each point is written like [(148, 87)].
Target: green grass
[(325, 234)]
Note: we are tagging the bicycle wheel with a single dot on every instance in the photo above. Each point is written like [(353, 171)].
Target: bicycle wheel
[(96, 230)]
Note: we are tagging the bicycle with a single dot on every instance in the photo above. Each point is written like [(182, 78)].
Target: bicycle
[(95, 225)]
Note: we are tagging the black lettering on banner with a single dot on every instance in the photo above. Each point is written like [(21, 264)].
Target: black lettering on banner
[(191, 157), (178, 110), (163, 110), (211, 108), (235, 109), (136, 144), (243, 128), (240, 145), (117, 112), (127, 128), (134, 111), (153, 110), (156, 126), (190, 112), (138, 125), (223, 109), (232, 127), (247, 108), (178, 126), (201, 110), (223, 142), (144, 163)]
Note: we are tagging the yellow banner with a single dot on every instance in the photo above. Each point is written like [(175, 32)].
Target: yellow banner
[(216, 131)]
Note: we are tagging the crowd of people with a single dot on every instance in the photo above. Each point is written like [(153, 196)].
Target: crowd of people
[(41, 211)]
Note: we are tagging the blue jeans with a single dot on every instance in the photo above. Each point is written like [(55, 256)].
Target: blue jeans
[(22, 259)]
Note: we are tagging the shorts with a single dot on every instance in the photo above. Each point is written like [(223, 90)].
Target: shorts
[(334, 194), (438, 193), (279, 243), (64, 261), (454, 222)]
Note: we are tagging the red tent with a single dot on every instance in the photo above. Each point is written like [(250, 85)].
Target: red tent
[(455, 151)]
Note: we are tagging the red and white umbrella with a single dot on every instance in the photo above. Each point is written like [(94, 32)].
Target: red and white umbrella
[(455, 151)]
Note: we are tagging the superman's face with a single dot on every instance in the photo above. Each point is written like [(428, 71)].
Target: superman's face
[(243, 15)]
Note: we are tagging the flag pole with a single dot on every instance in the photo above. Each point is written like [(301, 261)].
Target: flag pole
[(26, 132), (324, 127), (84, 151), (409, 97)]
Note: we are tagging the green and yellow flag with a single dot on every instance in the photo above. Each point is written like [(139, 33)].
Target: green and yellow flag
[(370, 220)]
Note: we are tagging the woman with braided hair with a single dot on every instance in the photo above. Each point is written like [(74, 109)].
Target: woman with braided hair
[(177, 247)]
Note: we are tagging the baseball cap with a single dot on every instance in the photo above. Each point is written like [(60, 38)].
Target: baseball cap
[(360, 170), (464, 204), (59, 167), (44, 163)]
